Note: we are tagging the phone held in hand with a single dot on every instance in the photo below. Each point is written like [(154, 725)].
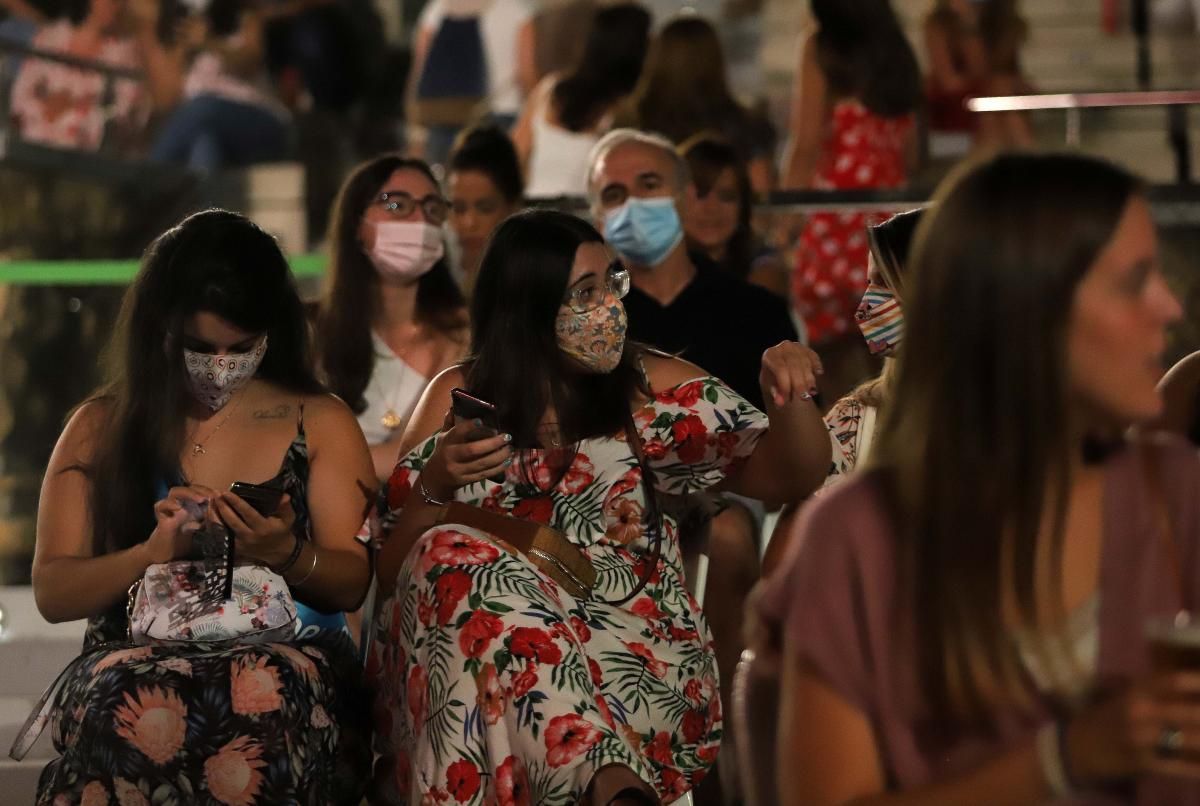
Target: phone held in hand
[(467, 408), (265, 500)]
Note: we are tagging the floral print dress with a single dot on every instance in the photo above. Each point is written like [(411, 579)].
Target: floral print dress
[(240, 725), (862, 150), (493, 685)]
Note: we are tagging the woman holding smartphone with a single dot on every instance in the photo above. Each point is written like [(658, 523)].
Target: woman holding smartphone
[(212, 385), (496, 677)]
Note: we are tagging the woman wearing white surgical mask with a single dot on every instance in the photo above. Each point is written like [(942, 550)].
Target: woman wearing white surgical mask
[(391, 316)]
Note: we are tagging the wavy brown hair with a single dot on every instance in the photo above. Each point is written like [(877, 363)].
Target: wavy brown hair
[(347, 308), (977, 460)]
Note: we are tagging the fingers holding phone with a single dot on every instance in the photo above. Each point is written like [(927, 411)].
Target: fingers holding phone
[(260, 519), (472, 450)]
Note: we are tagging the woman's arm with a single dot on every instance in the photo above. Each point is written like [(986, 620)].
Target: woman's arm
[(527, 73), (341, 492), (827, 756), (792, 458), (69, 581), (807, 122), (165, 65), (456, 461)]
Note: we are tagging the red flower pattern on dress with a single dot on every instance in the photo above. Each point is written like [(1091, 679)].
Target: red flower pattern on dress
[(448, 591), (674, 784), (477, 634), (654, 449), (581, 630), (450, 547), (579, 475), (625, 521), (693, 691), (538, 510), (399, 485), (659, 748), (525, 681), (691, 438), (418, 685), (567, 737), (536, 644), (462, 780), (512, 783), (656, 666), (695, 726), (647, 608), (685, 396)]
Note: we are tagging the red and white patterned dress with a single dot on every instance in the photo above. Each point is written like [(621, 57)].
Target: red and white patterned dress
[(495, 686), (862, 150)]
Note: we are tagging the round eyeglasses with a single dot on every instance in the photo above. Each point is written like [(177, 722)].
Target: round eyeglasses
[(401, 205), (590, 293)]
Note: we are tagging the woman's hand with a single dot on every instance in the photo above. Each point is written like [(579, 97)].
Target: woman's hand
[(461, 458), (789, 372), (265, 540), (1120, 737), (168, 539)]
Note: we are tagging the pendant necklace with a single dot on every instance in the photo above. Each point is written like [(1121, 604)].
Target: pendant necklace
[(391, 420), (198, 446)]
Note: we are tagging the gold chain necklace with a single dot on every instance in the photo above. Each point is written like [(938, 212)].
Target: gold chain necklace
[(198, 446)]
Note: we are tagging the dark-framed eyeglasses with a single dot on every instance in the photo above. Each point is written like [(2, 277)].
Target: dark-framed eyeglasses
[(400, 204)]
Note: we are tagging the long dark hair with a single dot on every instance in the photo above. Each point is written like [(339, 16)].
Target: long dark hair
[(864, 54), (976, 455), (345, 354), (608, 70), (709, 155), (515, 360), (685, 90), (213, 261)]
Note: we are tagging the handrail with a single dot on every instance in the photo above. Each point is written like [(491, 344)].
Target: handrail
[(1083, 100), (1173, 205), (27, 51)]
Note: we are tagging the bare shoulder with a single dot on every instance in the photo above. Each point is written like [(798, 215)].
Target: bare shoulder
[(439, 388), (1185, 375), (666, 371), (81, 435)]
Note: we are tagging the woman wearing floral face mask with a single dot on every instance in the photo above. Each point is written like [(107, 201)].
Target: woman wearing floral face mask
[(595, 698), (391, 316), (212, 385), (851, 421)]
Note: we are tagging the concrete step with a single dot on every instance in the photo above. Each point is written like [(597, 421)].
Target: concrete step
[(18, 781)]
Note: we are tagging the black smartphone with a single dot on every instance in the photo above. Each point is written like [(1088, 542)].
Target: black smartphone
[(466, 407), (265, 500)]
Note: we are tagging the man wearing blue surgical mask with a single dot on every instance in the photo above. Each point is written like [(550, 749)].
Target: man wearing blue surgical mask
[(686, 305), (680, 302)]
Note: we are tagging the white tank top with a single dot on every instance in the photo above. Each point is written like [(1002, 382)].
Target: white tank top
[(394, 387), (558, 158)]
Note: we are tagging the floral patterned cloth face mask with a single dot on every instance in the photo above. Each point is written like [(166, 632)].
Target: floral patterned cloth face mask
[(591, 324), (214, 378)]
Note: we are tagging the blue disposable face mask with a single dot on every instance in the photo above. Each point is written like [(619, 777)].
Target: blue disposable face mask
[(644, 231)]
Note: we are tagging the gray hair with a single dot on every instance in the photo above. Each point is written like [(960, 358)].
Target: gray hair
[(619, 137)]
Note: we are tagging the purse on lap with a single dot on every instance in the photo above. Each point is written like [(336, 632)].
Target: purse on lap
[(210, 599)]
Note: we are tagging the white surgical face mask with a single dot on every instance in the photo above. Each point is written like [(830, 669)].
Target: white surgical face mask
[(214, 378), (405, 250)]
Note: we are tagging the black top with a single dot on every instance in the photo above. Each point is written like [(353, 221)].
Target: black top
[(719, 322)]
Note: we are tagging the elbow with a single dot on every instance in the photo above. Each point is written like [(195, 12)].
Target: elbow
[(52, 608)]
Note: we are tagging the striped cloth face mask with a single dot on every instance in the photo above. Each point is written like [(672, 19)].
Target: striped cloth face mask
[(880, 319)]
